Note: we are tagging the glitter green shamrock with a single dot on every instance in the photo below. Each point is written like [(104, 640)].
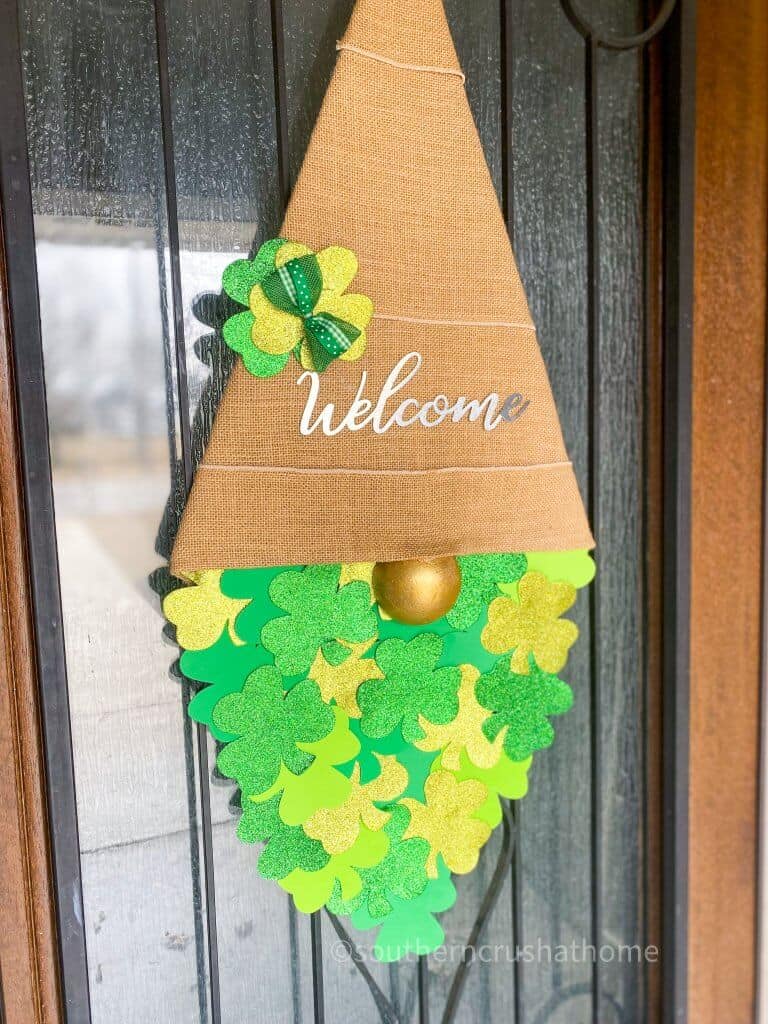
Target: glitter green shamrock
[(401, 874), (288, 847), (269, 723), (480, 579), (412, 686), (318, 611), (522, 704)]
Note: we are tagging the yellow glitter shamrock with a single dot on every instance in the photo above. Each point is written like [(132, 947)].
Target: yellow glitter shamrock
[(532, 624), (446, 821), (201, 612), (340, 682), (338, 828), (465, 732)]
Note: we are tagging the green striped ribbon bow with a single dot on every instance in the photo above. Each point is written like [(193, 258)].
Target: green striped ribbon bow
[(295, 288)]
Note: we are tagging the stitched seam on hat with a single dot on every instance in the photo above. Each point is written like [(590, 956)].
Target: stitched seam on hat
[(304, 471), (430, 69), (454, 323)]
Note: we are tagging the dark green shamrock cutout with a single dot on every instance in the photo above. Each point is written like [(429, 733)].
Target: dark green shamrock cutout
[(522, 705), (288, 846), (269, 723), (318, 611), (225, 666), (412, 686), (402, 874), (251, 585), (480, 577)]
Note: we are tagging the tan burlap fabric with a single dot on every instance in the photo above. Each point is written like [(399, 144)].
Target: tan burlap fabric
[(395, 171)]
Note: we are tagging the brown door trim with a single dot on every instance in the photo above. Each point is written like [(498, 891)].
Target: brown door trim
[(731, 246), (28, 951)]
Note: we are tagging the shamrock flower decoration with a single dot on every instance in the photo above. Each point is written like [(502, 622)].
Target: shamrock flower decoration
[(296, 302), (337, 828), (400, 875)]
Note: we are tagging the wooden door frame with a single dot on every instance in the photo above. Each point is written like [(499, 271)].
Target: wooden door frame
[(41, 920), (731, 252), (58, 988), (28, 948)]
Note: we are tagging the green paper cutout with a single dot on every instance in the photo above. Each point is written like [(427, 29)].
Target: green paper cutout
[(262, 364), (480, 579), (460, 647), (522, 705), (412, 686), (287, 848), (508, 779), (574, 567), (237, 330), (417, 763), (224, 667), (402, 873), (312, 890), (318, 611), (411, 926), (322, 784), (251, 585), (269, 724)]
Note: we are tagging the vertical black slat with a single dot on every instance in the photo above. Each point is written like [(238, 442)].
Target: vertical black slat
[(592, 143), (187, 727), (24, 308), (285, 186), (293, 935), (679, 65), (283, 159), (508, 208), (649, 327), (166, 121), (281, 100), (423, 990), (317, 967)]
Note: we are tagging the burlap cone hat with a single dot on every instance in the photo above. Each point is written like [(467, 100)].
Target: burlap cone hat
[(395, 172)]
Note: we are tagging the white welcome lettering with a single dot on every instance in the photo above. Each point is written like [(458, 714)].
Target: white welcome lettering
[(381, 416)]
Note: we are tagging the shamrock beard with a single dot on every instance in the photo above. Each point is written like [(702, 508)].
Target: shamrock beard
[(369, 810)]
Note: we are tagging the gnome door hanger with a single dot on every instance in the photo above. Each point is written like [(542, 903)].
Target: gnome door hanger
[(385, 531)]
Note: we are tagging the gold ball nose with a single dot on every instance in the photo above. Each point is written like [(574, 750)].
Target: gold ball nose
[(419, 590)]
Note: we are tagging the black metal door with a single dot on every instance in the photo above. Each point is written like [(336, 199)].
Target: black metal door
[(163, 139)]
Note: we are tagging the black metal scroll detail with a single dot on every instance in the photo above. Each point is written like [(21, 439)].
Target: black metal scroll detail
[(611, 42), (387, 1012)]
